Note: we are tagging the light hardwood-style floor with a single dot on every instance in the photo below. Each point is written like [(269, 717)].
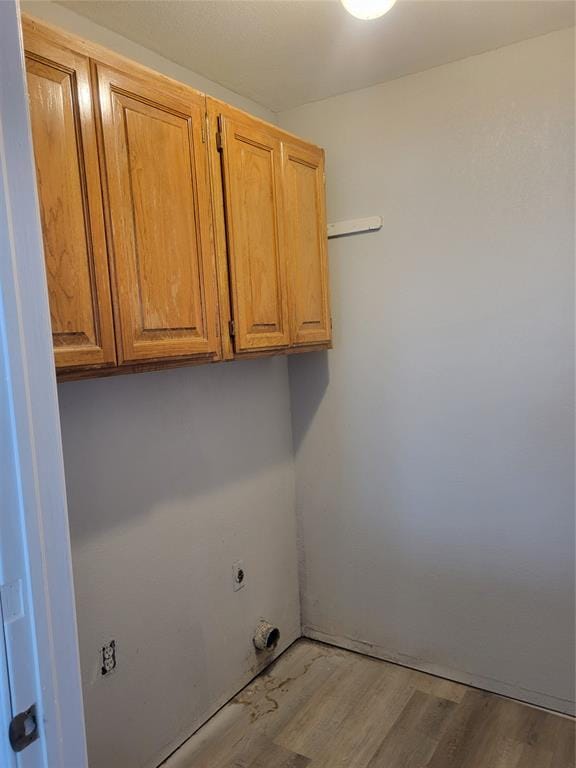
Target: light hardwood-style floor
[(322, 707)]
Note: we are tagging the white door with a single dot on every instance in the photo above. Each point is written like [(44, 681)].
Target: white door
[(7, 755), (20, 684), (39, 663)]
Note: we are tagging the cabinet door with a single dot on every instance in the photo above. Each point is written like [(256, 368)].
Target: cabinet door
[(306, 244), (253, 194), (159, 207), (69, 194)]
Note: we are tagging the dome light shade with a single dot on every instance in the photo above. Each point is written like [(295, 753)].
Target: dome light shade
[(368, 9)]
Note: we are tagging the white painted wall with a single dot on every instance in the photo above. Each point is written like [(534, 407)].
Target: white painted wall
[(171, 478), (434, 444)]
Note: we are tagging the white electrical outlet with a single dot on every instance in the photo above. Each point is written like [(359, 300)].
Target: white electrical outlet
[(238, 575), (108, 658)]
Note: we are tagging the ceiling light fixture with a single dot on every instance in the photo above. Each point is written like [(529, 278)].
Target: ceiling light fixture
[(368, 9)]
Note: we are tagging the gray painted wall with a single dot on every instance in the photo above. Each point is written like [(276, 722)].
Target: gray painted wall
[(434, 444), (171, 478)]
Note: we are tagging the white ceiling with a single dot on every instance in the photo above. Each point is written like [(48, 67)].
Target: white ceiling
[(283, 53)]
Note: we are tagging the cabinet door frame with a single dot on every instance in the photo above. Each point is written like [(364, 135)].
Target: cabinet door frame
[(313, 158), (219, 229), (235, 126), (49, 52), (183, 102)]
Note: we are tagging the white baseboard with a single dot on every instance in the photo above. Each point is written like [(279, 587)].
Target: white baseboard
[(535, 698)]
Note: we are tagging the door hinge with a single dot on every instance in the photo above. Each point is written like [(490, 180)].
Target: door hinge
[(23, 729), (232, 327)]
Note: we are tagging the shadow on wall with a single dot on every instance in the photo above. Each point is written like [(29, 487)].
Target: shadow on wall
[(309, 376), (134, 442)]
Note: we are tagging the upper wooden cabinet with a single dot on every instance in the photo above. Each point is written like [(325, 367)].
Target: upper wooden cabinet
[(252, 165), (306, 243), (159, 203), (177, 229), (70, 198), (272, 200)]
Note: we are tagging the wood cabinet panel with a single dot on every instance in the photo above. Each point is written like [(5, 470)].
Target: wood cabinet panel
[(253, 193), (177, 229), (159, 207), (69, 194), (306, 243), (219, 229)]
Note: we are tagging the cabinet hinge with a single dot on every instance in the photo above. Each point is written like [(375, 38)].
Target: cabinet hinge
[(232, 328), (204, 129), (219, 137)]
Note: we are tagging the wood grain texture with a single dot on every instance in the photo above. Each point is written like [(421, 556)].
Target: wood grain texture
[(324, 707), (219, 229), (306, 243), (270, 229), (69, 193), (251, 160), (77, 374), (159, 209), (193, 239), (53, 34)]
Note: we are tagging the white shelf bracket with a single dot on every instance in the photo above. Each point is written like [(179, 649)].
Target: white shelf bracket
[(354, 226)]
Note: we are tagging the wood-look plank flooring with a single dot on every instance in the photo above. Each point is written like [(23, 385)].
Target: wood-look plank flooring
[(323, 707)]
